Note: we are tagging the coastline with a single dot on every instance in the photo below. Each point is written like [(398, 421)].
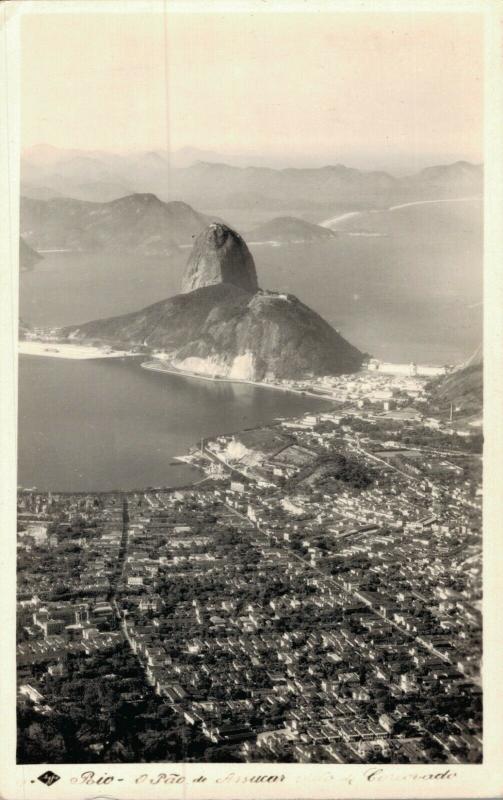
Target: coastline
[(63, 350), (327, 223), (216, 379)]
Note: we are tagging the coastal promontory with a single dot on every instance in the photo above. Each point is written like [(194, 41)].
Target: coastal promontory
[(223, 325)]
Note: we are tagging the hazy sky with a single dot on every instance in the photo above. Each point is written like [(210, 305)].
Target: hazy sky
[(364, 89)]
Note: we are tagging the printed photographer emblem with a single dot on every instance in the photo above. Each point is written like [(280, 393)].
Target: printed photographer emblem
[(48, 778)]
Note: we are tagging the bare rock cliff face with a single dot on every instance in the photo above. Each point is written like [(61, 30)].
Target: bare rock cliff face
[(220, 255), (223, 325)]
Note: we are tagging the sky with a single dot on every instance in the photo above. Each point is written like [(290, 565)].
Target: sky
[(381, 90)]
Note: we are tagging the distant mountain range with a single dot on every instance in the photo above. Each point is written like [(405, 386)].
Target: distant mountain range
[(139, 222), (461, 174), (223, 325), (207, 183)]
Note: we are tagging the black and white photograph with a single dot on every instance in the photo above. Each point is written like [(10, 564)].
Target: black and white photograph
[(250, 359)]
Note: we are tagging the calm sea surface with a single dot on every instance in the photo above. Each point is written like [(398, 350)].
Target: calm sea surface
[(411, 293), (109, 424)]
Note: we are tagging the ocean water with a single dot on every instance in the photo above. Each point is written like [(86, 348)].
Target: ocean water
[(402, 285), (409, 291), (109, 424)]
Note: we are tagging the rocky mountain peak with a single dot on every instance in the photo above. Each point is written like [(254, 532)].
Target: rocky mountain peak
[(220, 255)]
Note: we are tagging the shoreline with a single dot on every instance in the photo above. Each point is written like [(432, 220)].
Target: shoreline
[(171, 370), (184, 459), (66, 350), (327, 223), (81, 352)]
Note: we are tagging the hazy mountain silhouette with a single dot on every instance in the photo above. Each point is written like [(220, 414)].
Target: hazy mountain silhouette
[(211, 183), (140, 222), (289, 229)]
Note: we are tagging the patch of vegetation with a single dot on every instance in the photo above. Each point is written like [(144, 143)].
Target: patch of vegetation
[(328, 471), (101, 710)]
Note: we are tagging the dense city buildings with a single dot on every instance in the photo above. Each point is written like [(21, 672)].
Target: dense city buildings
[(316, 597)]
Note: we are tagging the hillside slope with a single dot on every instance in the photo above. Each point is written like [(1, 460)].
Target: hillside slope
[(289, 229), (223, 330), (464, 388), (139, 222), (224, 325)]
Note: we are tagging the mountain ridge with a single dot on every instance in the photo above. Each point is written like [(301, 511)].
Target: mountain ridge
[(288, 229), (463, 387), (223, 325), (140, 221), (209, 183), (225, 331)]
